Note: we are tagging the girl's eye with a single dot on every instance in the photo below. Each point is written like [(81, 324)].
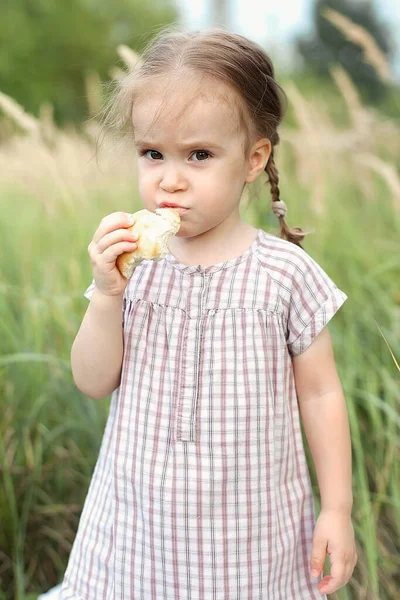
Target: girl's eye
[(144, 152), (202, 153)]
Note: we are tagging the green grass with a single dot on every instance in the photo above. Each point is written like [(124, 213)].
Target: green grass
[(50, 433)]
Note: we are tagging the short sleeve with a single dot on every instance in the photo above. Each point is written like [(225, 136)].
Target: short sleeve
[(89, 291), (314, 300)]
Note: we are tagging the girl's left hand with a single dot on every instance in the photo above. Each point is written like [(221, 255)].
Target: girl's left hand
[(333, 534)]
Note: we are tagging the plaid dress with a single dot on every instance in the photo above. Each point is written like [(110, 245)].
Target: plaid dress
[(201, 490)]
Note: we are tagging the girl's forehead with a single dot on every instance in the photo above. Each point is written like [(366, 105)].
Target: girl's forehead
[(185, 112)]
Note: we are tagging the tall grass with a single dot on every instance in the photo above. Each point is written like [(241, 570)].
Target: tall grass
[(338, 177)]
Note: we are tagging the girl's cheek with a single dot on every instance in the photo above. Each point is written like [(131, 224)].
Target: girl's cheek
[(145, 185)]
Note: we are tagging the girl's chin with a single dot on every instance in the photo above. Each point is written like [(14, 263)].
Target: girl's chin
[(181, 232)]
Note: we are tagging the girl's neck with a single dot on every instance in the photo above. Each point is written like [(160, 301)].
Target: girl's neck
[(213, 246)]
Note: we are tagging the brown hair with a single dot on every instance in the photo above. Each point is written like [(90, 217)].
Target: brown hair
[(217, 55)]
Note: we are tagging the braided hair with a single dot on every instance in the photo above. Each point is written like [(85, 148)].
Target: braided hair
[(295, 234)]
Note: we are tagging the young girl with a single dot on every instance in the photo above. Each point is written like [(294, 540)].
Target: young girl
[(201, 489)]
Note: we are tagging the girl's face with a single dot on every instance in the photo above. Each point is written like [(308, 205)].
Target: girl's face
[(195, 160)]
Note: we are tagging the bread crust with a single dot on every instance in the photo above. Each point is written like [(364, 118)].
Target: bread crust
[(153, 230)]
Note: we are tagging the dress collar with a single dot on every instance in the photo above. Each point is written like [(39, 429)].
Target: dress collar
[(228, 264)]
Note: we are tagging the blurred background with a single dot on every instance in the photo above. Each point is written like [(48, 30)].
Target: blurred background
[(339, 63)]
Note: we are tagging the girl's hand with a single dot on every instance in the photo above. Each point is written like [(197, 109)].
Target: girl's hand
[(333, 534), (111, 239)]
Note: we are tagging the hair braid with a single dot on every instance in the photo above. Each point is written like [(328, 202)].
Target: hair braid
[(294, 234)]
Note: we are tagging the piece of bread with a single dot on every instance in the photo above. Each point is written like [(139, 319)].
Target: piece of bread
[(154, 230)]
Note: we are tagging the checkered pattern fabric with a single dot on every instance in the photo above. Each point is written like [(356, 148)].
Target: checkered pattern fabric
[(201, 490)]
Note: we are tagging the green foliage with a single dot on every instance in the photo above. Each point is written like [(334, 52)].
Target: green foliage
[(50, 47)]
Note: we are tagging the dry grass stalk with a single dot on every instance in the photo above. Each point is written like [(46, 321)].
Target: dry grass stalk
[(117, 74), (7, 128), (15, 112), (130, 58), (65, 171), (323, 149), (358, 114), (387, 170), (358, 35), (304, 114), (312, 144), (48, 128), (93, 93)]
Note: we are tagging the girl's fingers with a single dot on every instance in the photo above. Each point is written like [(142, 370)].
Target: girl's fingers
[(111, 254), (318, 555), (332, 582), (324, 586), (111, 222), (119, 235)]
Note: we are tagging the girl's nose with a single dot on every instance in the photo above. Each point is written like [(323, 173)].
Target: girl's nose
[(172, 180)]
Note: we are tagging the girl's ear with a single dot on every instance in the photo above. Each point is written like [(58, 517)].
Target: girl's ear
[(259, 156)]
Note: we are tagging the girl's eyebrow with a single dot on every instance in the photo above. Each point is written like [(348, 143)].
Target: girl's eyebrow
[(194, 144)]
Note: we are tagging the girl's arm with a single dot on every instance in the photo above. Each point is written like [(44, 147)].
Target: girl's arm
[(325, 421), (324, 415), (96, 354)]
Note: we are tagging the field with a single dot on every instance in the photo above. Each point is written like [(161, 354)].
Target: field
[(337, 163)]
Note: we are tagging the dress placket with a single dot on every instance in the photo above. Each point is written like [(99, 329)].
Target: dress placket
[(190, 357)]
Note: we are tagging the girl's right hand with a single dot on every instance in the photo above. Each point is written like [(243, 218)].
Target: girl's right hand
[(111, 239)]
